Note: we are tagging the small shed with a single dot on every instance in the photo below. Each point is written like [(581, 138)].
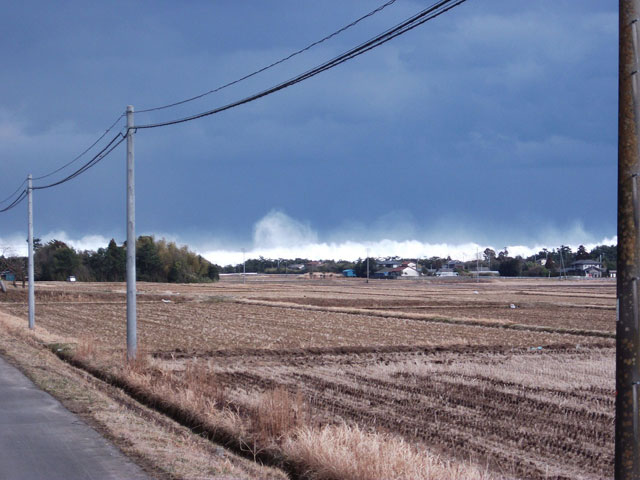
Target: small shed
[(8, 276), (349, 272)]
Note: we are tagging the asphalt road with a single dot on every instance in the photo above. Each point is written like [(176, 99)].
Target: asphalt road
[(40, 439)]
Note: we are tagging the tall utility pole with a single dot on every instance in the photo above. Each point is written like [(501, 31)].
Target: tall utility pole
[(367, 265), (30, 269), (244, 270), (132, 341), (627, 325)]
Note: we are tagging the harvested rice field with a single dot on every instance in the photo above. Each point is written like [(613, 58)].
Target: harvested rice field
[(495, 379)]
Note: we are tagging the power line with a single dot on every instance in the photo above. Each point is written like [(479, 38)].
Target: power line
[(94, 161), (420, 18), (11, 196), (83, 153), (78, 157), (278, 62), (16, 202), (425, 15)]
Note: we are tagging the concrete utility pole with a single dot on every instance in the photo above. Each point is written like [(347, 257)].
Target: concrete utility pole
[(244, 270), (627, 327), (367, 265), (30, 269), (132, 329)]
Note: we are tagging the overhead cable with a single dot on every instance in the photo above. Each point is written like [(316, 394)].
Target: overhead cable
[(78, 157), (425, 15), (84, 152), (94, 161), (278, 62), (429, 13), (13, 194), (16, 202)]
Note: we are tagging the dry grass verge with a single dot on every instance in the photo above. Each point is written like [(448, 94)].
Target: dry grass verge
[(275, 428), (163, 448), (342, 452), (277, 413)]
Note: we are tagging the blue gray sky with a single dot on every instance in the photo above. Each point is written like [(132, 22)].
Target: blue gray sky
[(492, 125)]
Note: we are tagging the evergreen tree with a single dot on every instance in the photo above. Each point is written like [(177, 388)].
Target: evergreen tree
[(582, 253), (149, 267), (115, 262), (65, 261), (510, 267)]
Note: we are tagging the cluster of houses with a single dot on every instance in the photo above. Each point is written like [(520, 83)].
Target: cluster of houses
[(391, 269), (404, 269), (395, 269)]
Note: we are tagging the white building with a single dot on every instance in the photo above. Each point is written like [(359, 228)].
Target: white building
[(409, 271)]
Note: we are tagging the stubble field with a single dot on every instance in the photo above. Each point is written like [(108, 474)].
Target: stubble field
[(503, 379)]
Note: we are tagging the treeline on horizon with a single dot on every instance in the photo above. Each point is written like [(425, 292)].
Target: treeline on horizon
[(156, 261), (162, 261), (506, 265)]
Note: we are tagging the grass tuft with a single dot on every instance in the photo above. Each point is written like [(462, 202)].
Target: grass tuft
[(277, 414), (343, 452), (85, 349)]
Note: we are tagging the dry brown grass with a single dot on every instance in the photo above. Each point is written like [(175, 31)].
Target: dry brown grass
[(277, 413), (343, 452), (165, 449), (278, 422), (85, 350), (200, 376)]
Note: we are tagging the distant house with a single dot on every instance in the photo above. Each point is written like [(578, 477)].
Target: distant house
[(613, 273), (453, 264), (446, 272), (296, 266), (349, 272), (584, 264), (480, 269), (484, 272), (388, 263), (408, 270), (585, 268), (387, 273), (396, 269), (593, 272)]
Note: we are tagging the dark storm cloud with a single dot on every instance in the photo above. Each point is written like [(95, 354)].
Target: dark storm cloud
[(498, 118)]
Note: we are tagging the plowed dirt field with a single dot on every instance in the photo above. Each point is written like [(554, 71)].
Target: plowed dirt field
[(516, 376)]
